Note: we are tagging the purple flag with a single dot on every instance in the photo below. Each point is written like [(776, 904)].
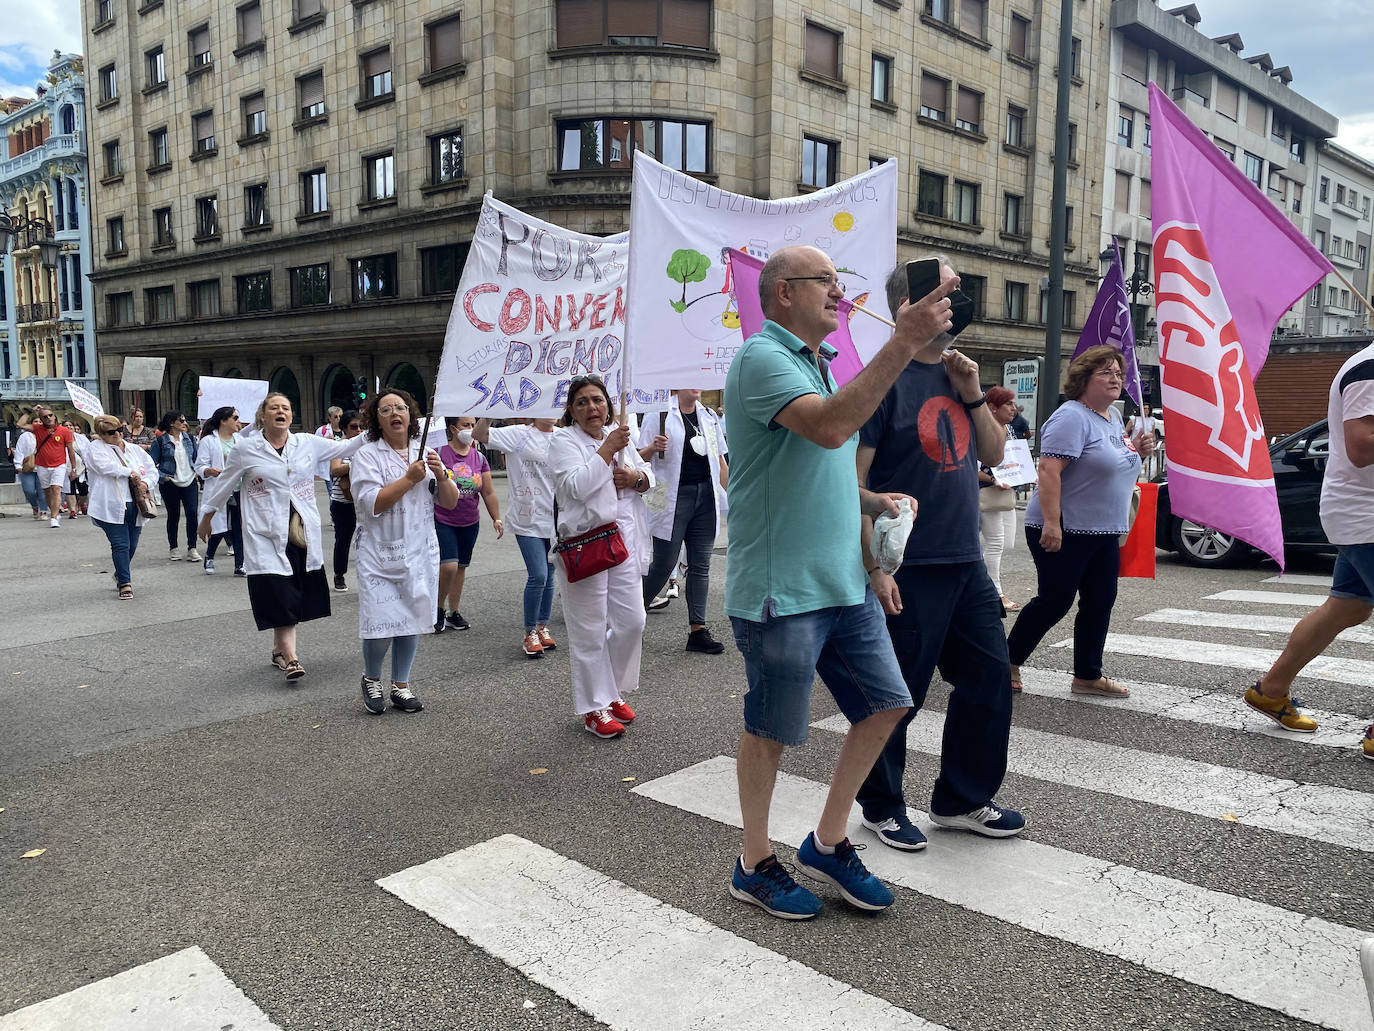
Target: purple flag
[(1110, 323)]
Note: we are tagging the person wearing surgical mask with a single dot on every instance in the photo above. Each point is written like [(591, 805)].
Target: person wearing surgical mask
[(686, 504), (457, 527)]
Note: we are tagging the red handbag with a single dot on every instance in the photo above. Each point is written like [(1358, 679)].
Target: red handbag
[(592, 552)]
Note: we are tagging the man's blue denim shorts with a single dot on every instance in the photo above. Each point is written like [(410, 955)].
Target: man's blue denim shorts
[(1353, 576), (848, 646)]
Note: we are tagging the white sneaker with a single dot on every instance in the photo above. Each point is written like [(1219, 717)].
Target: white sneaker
[(175, 556), (209, 567), (192, 555), (54, 523), (672, 589)]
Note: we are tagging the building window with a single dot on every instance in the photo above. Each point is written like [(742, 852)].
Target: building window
[(665, 23), (162, 228), (1121, 199), (1340, 193), (1145, 199), (159, 304), (934, 97), (820, 161), (966, 203), (607, 144), (304, 9), (203, 298), (1125, 127), (1297, 149), (1254, 168), (157, 67), (1016, 126), (1073, 143), (970, 110), (1297, 198), (1145, 140), (207, 218), (1020, 36), (1011, 214), (310, 95), (119, 309), (113, 165), (1016, 301), (254, 116), (104, 11), (930, 194), (968, 16), (874, 161), (114, 236), (1349, 245), (373, 277), (444, 43), (975, 288), (379, 177), (1315, 297), (309, 285), (1319, 239), (158, 149), (1335, 246), (253, 292), (446, 157), (1361, 253), (1331, 297), (441, 267), (1135, 62), (109, 89), (203, 131), (882, 79), (255, 206), (250, 24), (199, 43), (377, 74), (1324, 190), (822, 54), (1075, 57), (1068, 226), (314, 192)]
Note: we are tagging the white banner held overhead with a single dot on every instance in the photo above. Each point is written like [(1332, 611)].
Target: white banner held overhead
[(684, 326), (84, 400), (537, 305), (243, 395), (142, 374)]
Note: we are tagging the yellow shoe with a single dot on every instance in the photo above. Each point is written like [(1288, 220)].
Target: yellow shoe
[(1368, 743), (1281, 711)]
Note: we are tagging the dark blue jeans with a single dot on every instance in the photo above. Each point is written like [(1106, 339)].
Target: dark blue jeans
[(694, 521), (235, 534), (539, 580), (123, 539), (951, 619), (185, 498)]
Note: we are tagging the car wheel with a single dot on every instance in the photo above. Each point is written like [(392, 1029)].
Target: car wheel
[(1202, 546)]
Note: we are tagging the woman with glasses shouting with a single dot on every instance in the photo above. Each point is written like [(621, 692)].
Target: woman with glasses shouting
[(1076, 518), (116, 469)]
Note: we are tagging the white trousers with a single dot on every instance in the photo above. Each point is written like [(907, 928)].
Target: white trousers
[(604, 615), (999, 534)]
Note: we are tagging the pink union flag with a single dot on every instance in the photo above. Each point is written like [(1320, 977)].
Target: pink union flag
[(744, 279), (1228, 264)]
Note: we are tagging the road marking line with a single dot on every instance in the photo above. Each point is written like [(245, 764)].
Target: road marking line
[(1221, 942), (1215, 708), (1310, 601), (1323, 667), (1247, 621), (185, 991), (673, 971), (1338, 816), (1299, 580)]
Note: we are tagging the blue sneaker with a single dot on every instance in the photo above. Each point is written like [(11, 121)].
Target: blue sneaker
[(897, 832), (772, 889), (990, 821), (845, 871)]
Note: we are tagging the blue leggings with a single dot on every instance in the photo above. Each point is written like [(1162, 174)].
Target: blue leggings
[(402, 657)]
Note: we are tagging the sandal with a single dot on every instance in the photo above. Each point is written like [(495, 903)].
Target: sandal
[(1016, 680), (126, 592), (279, 660), (1103, 687), (294, 670), (1009, 605)]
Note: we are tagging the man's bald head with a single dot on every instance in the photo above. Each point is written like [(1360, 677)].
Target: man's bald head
[(779, 266)]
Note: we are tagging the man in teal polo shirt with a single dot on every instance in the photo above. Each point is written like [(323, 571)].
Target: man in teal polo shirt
[(795, 588)]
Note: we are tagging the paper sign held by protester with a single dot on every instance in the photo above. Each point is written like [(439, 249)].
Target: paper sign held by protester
[(1017, 468), (537, 306), (684, 326), (84, 400), (243, 395)]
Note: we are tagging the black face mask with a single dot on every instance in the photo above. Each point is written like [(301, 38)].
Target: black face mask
[(960, 313)]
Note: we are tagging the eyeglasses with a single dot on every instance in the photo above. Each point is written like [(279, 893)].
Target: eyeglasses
[(830, 282), (109, 433), (393, 409), (1109, 374)]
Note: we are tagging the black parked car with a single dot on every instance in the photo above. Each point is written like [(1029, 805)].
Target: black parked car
[(1299, 462)]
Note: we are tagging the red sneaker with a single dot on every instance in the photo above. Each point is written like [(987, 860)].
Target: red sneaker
[(622, 712), (546, 638), (603, 724), (532, 647)]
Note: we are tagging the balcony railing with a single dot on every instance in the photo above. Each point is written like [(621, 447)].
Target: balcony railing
[(1183, 94), (43, 388), (53, 147), (43, 311)]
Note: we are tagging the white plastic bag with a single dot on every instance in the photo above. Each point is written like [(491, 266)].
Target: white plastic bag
[(888, 544)]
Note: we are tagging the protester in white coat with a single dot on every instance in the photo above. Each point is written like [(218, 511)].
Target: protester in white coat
[(599, 478), (276, 470), (113, 467), (218, 436), (395, 490), (685, 506)]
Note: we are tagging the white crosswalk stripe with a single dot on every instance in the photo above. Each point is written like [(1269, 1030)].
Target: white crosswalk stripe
[(527, 906), (1323, 667), (185, 991), (1310, 601), (1299, 580), (1213, 708), (1253, 622), (1338, 816), (1223, 942)]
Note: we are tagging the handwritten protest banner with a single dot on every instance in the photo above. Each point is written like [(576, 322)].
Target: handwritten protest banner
[(1017, 468), (83, 399), (685, 326), (537, 305)]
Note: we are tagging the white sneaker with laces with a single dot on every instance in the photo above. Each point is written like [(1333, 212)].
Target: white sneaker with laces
[(672, 589), (54, 523), (174, 556), (192, 555)]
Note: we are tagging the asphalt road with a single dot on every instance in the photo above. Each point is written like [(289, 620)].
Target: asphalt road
[(185, 796)]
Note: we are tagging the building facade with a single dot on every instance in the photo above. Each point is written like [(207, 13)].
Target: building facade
[(47, 324), (300, 178), (1341, 228)]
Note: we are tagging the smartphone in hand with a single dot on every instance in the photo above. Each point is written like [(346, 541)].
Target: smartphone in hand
[(922, 277)]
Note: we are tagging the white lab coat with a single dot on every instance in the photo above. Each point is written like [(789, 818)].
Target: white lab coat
[(398, 551), (107, 477), (661, 501), (586, 494), (270, 485), (210, 455)]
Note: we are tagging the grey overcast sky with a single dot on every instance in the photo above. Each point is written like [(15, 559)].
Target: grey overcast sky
[(1327, 43)]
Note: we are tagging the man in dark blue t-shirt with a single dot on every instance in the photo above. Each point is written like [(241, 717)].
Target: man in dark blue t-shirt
[(927, 439)]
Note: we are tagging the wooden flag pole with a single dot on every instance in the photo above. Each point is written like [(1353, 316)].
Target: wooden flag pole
[(1363, 300), (874, 315)]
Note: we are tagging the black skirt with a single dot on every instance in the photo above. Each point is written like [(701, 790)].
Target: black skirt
[(287, 600)]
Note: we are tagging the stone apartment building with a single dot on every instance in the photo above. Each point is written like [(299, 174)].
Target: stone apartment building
[(1341, 228), (299, 178)]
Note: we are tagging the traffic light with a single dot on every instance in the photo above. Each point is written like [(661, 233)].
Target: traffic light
[(360, 392)]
